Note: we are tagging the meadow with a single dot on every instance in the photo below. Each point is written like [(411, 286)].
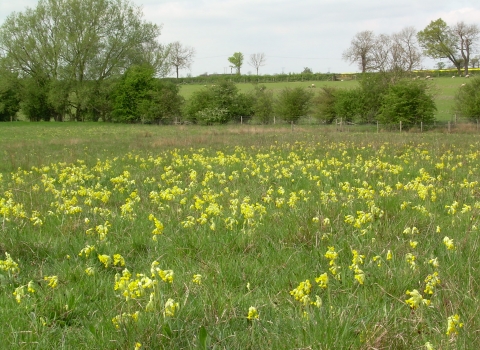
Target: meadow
[(443, 89), (237, 237)]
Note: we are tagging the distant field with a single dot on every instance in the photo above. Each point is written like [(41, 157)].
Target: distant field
[(444, 88)]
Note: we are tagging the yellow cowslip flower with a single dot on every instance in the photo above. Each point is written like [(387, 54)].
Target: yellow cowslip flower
[(31, 287), (428, 346), (301, 291), (118, 260), (413, 244), (331, 255), (87, 250), (52, 281), (448, 243), (197, 279), (438, 230), (19, 293), (317, 302), (389, 255), (137, 346), (90, 271), (434, 262), (416, 299), (252, 313), (378, 260), (359, 276), (431, 282), (9, 265), (170, 307), (105, 259), (453, 324), (322, 280)]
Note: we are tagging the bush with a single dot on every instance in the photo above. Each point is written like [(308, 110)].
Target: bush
[(324, 104), (262, 104), (348, 104), (409, 102), (293, 103), (467, 99)]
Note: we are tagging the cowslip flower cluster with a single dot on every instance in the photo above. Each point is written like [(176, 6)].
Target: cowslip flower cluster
[(252, 313), (9, 265), (356, 261), (170, 307), (332, 255), (416, 299), (453, 324)]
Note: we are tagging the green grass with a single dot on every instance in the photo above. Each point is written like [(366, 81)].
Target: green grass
[(253, 210), (444, 90)]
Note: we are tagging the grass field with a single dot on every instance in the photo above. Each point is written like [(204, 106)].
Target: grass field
[(444, 90), (237, 237)]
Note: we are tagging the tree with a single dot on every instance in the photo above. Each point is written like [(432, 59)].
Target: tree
[(466, 35), (406, 54), (140, 97), (467, 100), (293, 103), (475, 62), (9, 97), (324, 104), (181, 57), (361, 51), (307, 70), (438, 42), (263, 104), (440, 65), (237, 61), (81, 43), (409, 102), (257, 60)]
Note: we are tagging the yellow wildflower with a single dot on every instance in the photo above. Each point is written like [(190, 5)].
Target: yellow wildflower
[(453, 324), (197, 279), (322, 280), (52, 281), (170, 307), (448, 243), (252, 313)]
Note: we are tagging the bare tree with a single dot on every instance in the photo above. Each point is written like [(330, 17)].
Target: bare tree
[(475, 62), (181, 56), (361, 51), (467, 36), (381, 53), (257, 60), (406, 54)]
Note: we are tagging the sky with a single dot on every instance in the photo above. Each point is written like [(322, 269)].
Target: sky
[(292, 34)]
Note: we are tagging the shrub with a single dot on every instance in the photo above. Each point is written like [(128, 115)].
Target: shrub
[(409, 102), (467, 99), (293, 103), (324, 104)]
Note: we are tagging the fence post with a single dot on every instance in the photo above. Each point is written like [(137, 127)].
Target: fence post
[(273, 120), (241, 119), (292, 124), (477, 124), (449, 126), (421, 126), (400, 126), (377, 126)]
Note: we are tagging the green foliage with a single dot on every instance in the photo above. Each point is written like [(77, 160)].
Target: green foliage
[(467, 99), (237, 61), (222, 97), (35, 103), (307, 70), (9, 98), (210, 116), (140, 97), (409, 102), (263, 104), (293, 103), (324, 104), (76, 54), (348, 104)]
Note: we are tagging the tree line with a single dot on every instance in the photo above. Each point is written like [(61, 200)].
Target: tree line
[(106, 63), (403, 51)]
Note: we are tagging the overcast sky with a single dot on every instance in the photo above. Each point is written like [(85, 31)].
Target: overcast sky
[(291, 34)]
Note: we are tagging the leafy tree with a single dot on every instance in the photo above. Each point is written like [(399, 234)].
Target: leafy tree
[(324, 104), (467, 99), (180, 56), (263, 104), (409, 102), (438, 42), (475, 62), (140, 97), (307, 70), (79, 42), (257, 60), (237, 61), (35, 103), (9, 97), (440, 65), (348, 104), (223, 98), (293, 103)]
